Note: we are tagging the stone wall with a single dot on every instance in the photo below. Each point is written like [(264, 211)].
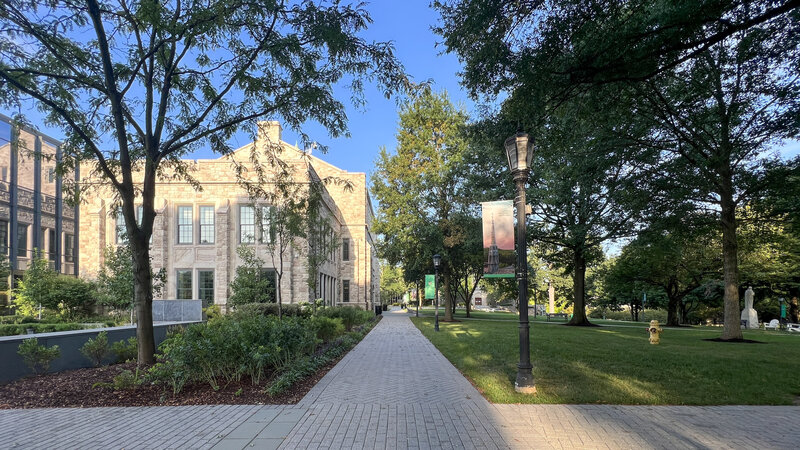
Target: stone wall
[(345, 208)]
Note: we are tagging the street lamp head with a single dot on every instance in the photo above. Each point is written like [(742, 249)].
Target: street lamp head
[(519, 151), (437, 261)]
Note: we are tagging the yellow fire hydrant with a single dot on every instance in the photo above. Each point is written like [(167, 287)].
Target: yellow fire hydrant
[(655, 332)]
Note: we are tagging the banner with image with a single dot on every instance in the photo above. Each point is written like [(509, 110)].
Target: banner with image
[(498, 239)]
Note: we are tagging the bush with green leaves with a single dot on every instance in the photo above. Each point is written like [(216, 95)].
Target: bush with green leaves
[(126, 350), (252, 282), (115, 279), (225, 350), (271, 309), (17, 329), (37, 357), (96, 350), (212, 312), (308, 365), (350, 315), (327, 327), (71, 297)]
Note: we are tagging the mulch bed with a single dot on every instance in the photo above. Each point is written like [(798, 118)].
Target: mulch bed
[(74, 389)]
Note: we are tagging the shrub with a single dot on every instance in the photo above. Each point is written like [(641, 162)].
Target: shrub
[(126, 350), (37, 357), (126, 380), (226, 349), (97, 349), (327, 327), (350, 315), (308, 365), (212, 312), (41, 285), (16, 329), (270, 309)]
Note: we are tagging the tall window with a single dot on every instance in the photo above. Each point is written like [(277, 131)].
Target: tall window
[(247, 224), (345, 249), (345, 290), (22, 240), (265, 229), (69, 245), (51, 243), (206, 224), (122, 230), (4, 237), (184, 284), (205, 286), (184, 224)]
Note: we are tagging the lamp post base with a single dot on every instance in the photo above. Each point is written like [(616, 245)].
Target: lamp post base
[(524, 383)]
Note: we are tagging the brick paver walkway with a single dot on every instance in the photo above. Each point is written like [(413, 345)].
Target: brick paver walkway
[(395, 390)]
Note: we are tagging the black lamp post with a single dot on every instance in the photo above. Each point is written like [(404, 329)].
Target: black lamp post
[(519, 150), (437, 261)]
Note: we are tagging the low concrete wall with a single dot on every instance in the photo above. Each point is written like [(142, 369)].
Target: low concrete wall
[(69, 342), (177, 310)]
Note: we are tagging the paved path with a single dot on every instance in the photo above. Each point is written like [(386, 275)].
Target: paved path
[(382, 395)]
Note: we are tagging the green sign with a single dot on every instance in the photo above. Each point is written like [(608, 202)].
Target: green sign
[(430, 287)]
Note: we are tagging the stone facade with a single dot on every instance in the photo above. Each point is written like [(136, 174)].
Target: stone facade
[(34, 216), (186, 248)]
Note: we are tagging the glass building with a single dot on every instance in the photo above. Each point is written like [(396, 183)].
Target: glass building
[(33, 215)]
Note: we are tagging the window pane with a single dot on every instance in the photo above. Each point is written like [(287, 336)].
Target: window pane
[(345, 290), (51, 244), (184, 284), (68, 247), (4, 237), (122, 230), (345, 249), (22, 240), (206, 224), (266, 236), (184, 225), (205, 286), (247, 225)]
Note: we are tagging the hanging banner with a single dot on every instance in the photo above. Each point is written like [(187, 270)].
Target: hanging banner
[(430, 287), (498, 239)]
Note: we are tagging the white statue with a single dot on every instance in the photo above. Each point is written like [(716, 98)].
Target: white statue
[(748, 313)]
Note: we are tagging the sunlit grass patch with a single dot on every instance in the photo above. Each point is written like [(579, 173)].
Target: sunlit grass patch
[(619, 366)]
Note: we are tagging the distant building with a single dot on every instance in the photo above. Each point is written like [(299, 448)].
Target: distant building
[(196, 233), (33, 215)]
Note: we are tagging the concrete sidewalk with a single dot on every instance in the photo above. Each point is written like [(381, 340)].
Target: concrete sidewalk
[(384, 394)]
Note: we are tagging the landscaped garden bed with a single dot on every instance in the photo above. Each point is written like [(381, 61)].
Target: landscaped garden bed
[(246, 358)]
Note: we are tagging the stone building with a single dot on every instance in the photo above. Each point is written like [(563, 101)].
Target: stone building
[(33, 214), (197, 231)]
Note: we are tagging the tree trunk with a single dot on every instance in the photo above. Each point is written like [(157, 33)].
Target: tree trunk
[(672, 311), (143, 298), (278, 296), (467, 297), (673, 300), (448, 300), (579, 304), (730, 264)]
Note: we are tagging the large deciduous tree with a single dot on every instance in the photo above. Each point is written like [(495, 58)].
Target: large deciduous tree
[(136, 84), (417, 188)]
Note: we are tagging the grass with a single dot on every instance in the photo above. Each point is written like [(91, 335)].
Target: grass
[(617, 365)]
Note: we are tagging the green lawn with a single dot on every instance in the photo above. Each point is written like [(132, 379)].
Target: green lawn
[(617, 365)]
